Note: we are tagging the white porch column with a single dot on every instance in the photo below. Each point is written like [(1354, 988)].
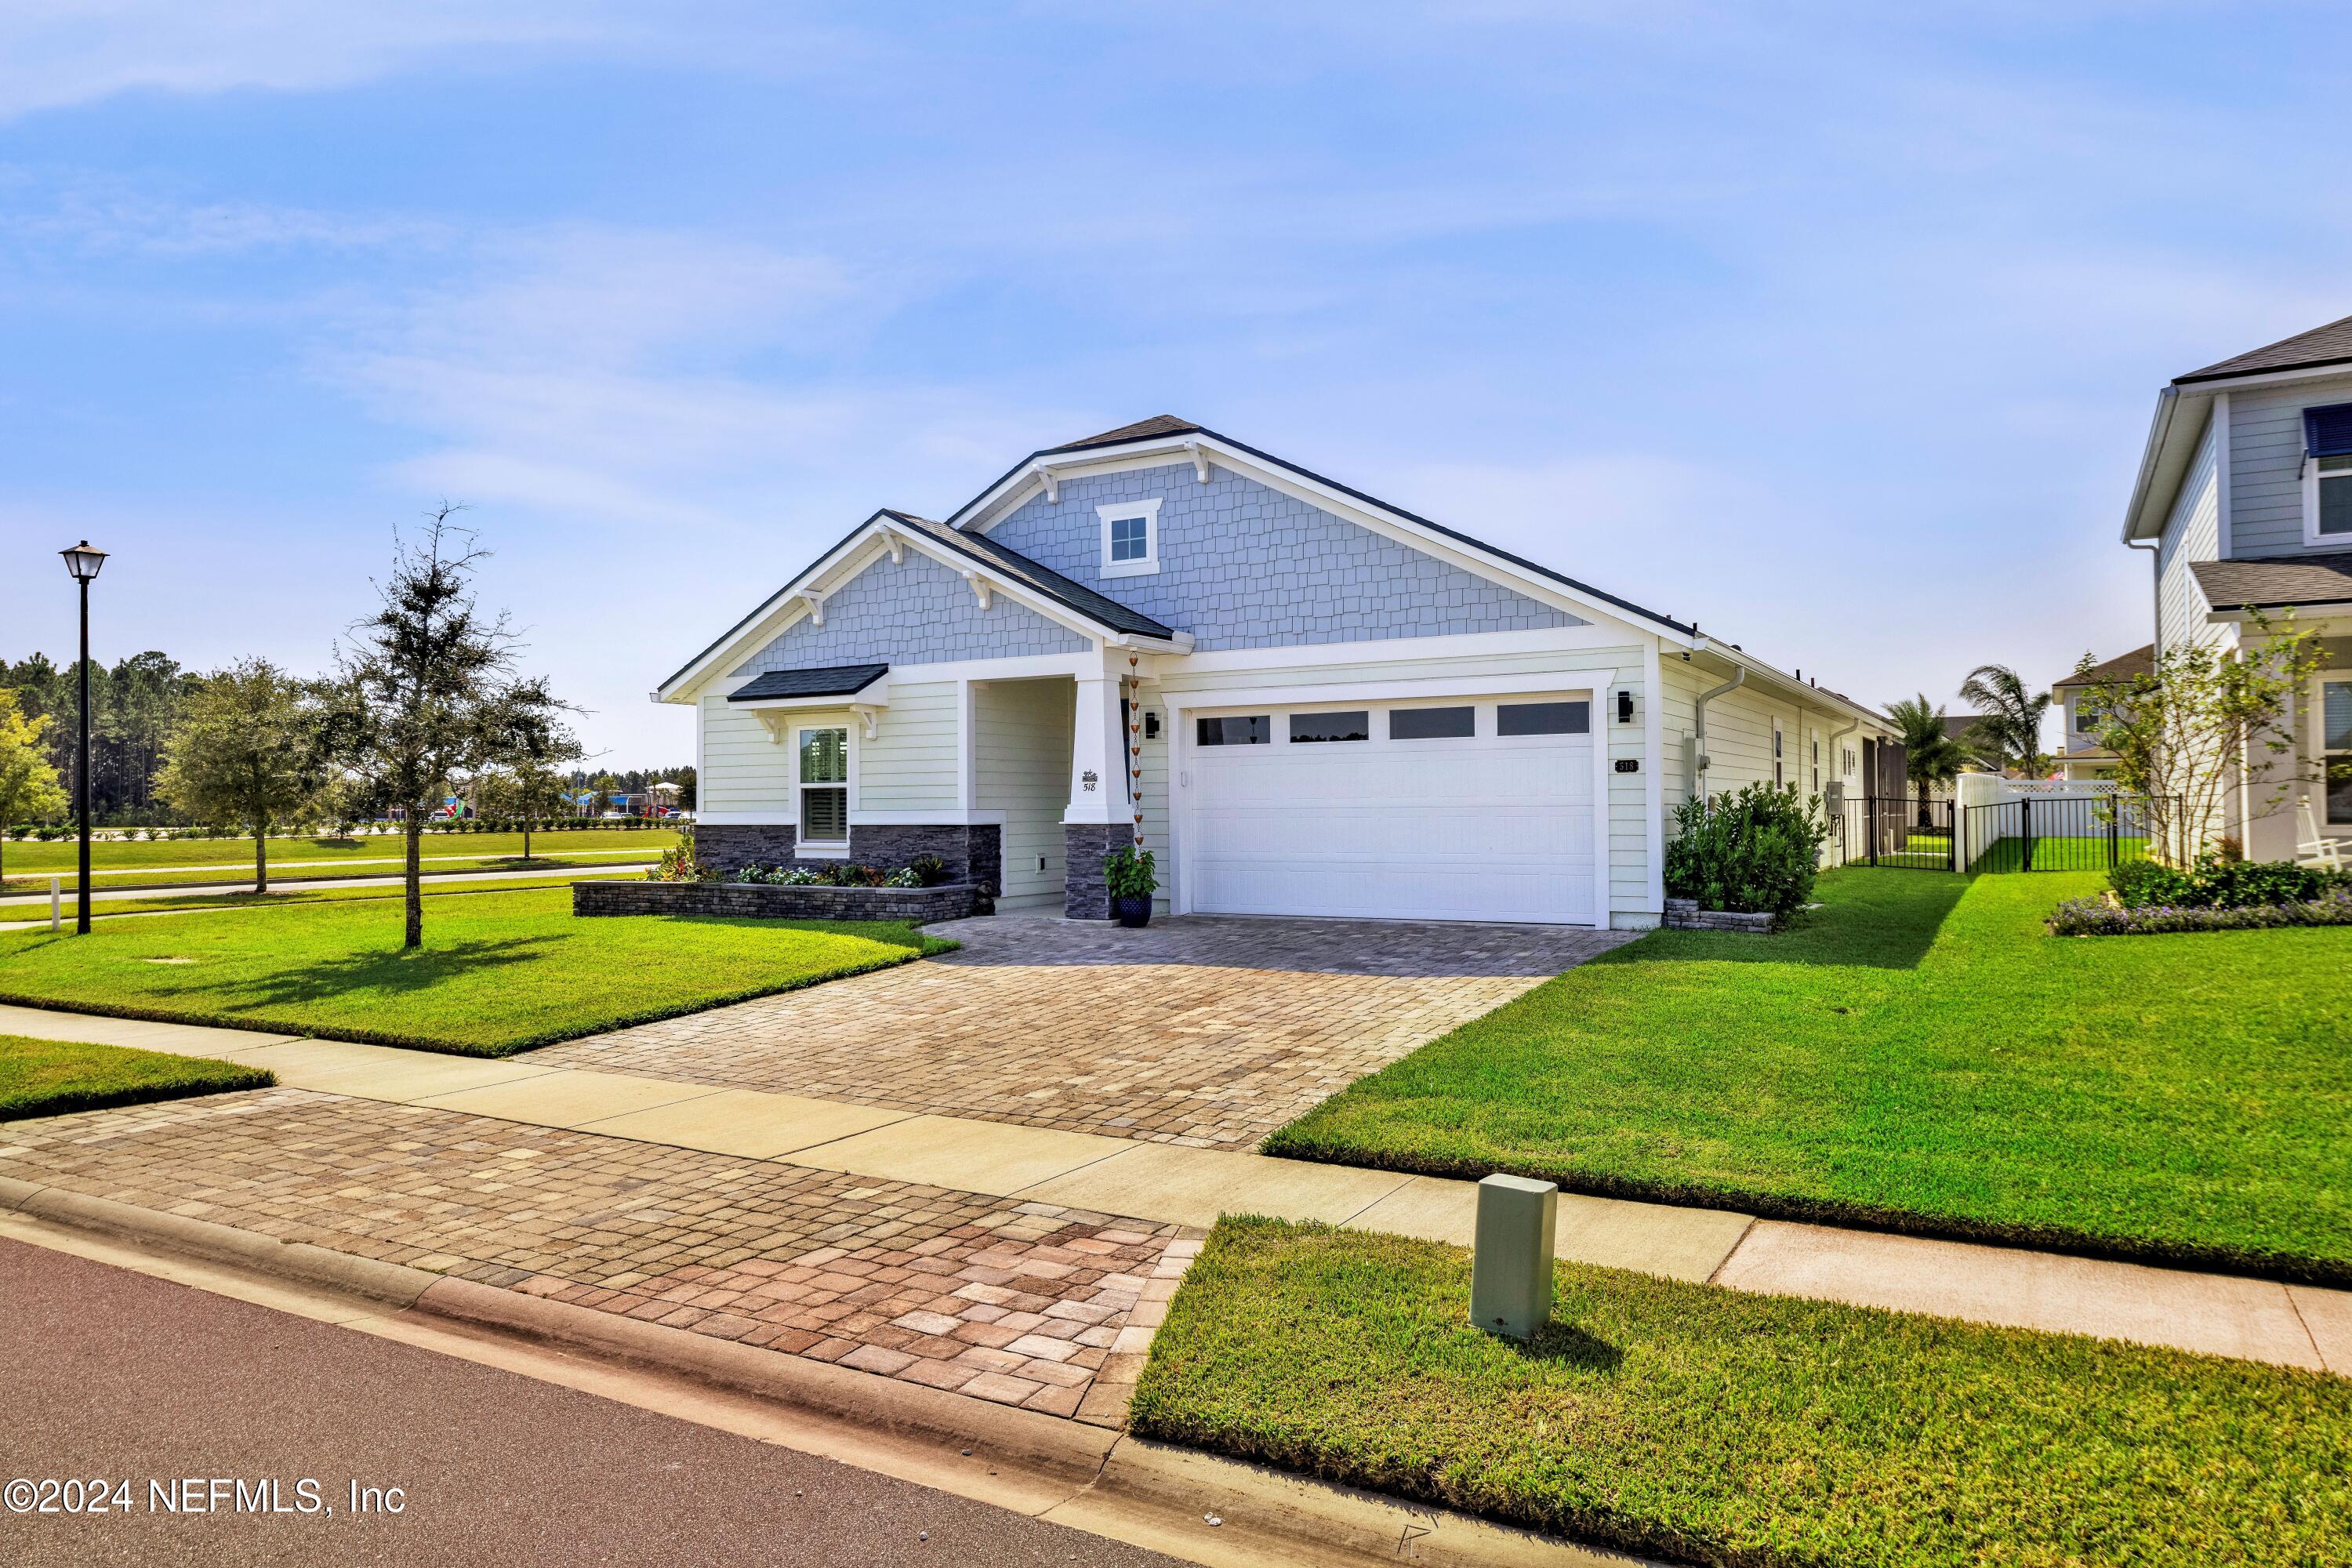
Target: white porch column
[(1097, 756)]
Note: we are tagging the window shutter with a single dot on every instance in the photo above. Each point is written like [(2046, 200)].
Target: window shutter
[(2328, 431)]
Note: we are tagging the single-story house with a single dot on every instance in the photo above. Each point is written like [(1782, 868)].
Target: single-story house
[(2244, 502), (1303, 700)]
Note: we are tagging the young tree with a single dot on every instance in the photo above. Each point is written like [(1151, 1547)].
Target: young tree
[(246, 753), (2186, 734), (28, 784), (1930, 755), (2011, 716), (530, 787), (428, 689)]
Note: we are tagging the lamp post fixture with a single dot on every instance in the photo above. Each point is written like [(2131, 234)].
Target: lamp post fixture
[(83, 562)]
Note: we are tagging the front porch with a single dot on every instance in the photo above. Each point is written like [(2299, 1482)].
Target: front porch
[(1021, 786)]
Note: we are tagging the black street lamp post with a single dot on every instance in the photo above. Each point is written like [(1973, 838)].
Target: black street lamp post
[(83, 562)]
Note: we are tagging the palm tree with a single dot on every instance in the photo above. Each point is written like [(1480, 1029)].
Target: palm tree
[(2012, 722), (1930, 755)]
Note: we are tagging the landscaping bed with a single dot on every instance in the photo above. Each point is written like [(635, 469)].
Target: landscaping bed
[(1916, 1054), (51, 1077), (763, 900), (498, 973), (1711, 1426)]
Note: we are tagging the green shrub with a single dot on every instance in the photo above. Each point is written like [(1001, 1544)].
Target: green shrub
[(2217, 882), (1756, 852)]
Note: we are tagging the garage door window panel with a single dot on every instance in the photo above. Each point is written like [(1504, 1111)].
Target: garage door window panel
[(1543, 719), (1254, 729), (1353, 724), (1433, 723)]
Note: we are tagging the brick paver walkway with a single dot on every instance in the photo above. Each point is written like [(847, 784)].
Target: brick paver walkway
[(1027, 1304), (1200, 1031)]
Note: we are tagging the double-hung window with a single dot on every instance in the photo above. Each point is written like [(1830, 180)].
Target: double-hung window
[(2327, 475), (824, 786), (2335, 745), (1130, 538)]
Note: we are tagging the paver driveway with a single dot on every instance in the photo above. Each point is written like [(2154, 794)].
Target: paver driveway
[(1203, 1031)]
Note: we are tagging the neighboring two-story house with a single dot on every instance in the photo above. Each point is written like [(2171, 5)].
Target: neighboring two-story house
[(2082, 755), (1302, 699), (2244, 496)]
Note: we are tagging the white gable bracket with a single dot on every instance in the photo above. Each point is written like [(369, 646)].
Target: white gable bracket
[(1053, 485), (868, 714), (897, 547), (815, 605), (980, 587), (1199, 461)]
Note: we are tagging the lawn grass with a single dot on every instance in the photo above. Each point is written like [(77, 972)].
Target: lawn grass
[(167, 902), (31, 856), (2060, 854), (1712, 1427), (50, 1078), (500, 973), (1916, 1054)]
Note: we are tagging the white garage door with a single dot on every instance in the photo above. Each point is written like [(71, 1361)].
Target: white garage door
[(1479, 809)]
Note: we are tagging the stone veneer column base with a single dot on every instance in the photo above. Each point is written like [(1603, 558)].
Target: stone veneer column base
[(1084, 847)]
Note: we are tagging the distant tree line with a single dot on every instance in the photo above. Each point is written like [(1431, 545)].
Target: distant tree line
[(134, 708)]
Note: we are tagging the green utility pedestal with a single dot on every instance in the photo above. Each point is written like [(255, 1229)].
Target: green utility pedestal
[(1510, 1272)]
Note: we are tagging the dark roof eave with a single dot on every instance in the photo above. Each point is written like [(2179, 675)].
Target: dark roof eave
[(2203, 377)]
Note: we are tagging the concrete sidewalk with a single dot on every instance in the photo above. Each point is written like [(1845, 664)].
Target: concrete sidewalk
[(2212, 1314)]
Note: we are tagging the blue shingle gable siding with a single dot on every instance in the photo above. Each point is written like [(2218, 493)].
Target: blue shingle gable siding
[(917, 612), (1243, 565)]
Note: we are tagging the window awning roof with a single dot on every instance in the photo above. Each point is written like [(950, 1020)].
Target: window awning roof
[(836, 680)]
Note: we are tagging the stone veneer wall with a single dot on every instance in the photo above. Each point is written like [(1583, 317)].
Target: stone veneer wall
[(972, 854), (949, 901), (1684, 914), (1086, 846)]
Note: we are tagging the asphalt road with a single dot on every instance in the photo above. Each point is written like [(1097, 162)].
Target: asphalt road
[(114, 1374)]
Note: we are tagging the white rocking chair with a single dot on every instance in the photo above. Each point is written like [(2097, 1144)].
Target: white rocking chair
[(2312, 847)]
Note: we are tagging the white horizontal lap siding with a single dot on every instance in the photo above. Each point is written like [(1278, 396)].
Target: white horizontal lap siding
[(1154, 797), (743, 769), (1022, 747), (1628, 799), (910, 762), (2192, 532), (2266, 465)]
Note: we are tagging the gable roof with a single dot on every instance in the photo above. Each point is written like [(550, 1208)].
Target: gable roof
[(1161, 427), (2276, 584), (2321, 345), (1158, 424), (1099, 609), (2123, 666), (840, 680)]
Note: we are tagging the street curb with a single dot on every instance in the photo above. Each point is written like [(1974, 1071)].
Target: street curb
[(1045, 1445), (384, 1283), (1088, 1477)]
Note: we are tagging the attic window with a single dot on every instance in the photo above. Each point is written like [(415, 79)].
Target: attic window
[(1130, 538)]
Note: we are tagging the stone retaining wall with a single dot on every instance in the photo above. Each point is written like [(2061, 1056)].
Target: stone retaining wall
[(972, 854), (1685, 915), (949, 902)]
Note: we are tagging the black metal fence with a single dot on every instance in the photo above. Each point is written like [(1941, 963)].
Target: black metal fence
[(1911, 832), (2069, 832)]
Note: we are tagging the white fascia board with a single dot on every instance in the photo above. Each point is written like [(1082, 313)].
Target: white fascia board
[(986, 510), (1786, 684), (1437, 687), (1393, 651)]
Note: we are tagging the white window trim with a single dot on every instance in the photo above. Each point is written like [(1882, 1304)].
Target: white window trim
[(2311, 534), (826, 848), (1149, 511), (2328, 826)]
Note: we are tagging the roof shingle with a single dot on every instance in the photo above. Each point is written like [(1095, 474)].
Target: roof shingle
[(1099, 609), (2123, 666), (1142, 430), (2321, 345), (2276, 584), (835, 680)]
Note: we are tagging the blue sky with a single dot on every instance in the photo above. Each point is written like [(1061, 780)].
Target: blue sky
[(1834, 327)]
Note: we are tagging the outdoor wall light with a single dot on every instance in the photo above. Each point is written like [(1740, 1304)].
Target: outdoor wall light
[(1624, 705)]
